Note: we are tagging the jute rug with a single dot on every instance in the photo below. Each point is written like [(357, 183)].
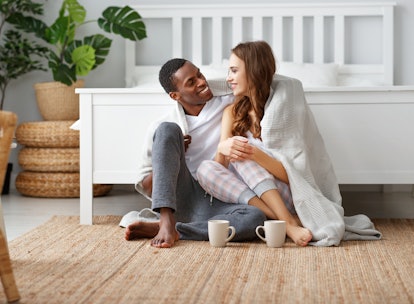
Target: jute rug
[(64, 262)]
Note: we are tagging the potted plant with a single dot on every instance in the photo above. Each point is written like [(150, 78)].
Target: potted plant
[(18, 54), (68, 56)]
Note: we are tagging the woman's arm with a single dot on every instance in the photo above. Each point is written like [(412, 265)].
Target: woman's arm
[(271, 164), (231, 147), (226, 123)]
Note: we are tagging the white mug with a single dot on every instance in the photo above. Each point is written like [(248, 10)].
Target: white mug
[(218, 232), (275, 233)]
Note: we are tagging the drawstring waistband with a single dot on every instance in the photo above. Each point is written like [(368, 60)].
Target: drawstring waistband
[(211, 198)]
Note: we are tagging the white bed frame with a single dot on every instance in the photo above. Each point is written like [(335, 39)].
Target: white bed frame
[(368, 131)]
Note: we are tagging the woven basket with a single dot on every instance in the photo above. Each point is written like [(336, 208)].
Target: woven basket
[(48, 134), (56, 185), (57, 101), (8, 122), (49, 159)]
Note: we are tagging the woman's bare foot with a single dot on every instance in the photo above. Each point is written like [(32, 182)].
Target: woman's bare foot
[(301, 236), (139, 230)]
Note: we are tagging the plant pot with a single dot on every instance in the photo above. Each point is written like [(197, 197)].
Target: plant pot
[(57, 101), (7, 179)]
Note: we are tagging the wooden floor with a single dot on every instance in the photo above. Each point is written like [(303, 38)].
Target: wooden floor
[(22, 214)]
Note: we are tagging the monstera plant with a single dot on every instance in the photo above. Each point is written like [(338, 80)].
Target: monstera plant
[(69, 56)]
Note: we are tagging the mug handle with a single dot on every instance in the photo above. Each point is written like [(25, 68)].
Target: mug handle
[(259, 234), (233, 233)]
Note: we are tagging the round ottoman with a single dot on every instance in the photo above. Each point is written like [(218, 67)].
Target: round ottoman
[(47, 134), (56, 185), (49, 159)]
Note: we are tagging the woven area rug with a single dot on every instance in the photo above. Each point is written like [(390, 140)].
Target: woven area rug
[(64, 262)]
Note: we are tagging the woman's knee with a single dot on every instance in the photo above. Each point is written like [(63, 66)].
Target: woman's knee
[(206, 168)]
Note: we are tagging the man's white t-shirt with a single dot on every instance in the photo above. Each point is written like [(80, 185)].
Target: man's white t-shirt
[(205, 130)]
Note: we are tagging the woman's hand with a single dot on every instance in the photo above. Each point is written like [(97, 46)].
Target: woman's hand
[(235, 148)]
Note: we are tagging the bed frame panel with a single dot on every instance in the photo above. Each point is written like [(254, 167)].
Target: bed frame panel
[(236, 23)]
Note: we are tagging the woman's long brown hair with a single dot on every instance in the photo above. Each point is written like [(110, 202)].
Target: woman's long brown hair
[(260, 66)]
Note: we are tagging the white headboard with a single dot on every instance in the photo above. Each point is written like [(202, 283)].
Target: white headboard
[(304, 34)]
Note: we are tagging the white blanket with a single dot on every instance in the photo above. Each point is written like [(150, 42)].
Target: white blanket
[(290, 132)]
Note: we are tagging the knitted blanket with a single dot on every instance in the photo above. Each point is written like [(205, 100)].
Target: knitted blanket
[(289, 131)]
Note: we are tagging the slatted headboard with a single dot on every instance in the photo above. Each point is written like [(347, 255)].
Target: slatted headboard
[(299, 33)]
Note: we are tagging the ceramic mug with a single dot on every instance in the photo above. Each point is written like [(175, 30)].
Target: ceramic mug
[(218, 232), (274, 231)]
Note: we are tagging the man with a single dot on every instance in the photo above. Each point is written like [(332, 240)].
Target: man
[(174, 151)]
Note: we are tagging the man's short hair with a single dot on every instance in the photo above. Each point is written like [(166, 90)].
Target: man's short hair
[(166, 75)]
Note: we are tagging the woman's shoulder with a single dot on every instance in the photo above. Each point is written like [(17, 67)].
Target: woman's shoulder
[(229, 109)]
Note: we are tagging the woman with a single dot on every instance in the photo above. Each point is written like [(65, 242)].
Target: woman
[(251, 175)]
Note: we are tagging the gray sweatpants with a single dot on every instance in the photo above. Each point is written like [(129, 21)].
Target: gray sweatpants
[(174, 187)]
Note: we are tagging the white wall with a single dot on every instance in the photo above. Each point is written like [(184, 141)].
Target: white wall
[(21, 97)]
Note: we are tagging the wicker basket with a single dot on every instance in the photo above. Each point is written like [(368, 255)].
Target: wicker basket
[(57, 101), (48, 134), (8, 122), (49, 159), (54, 185)]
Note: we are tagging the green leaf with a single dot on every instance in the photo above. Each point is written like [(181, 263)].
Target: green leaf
[(61, 72), (19, 56), (27, 6), (83, 58), (61, 31), (101, 44), (28, 24), (123, 21), (77, 12)]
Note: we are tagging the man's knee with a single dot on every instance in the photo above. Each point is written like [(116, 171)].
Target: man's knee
[(168, 127), (167, 130)]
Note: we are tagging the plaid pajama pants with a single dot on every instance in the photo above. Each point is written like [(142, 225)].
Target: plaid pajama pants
[(240, 182)]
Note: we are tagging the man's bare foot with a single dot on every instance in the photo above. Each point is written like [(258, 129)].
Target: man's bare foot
[(140, 230), (165, 238), (301, 236), (167, 234)]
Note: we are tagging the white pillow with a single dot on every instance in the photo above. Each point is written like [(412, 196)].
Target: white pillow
[(364, 80), (147, 77), (144, 76), (310, 74)]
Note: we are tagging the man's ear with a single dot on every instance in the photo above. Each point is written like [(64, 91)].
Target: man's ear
[(174, 95)]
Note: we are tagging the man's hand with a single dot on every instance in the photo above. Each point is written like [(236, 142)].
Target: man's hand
[(187, 142), (236, 148)]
